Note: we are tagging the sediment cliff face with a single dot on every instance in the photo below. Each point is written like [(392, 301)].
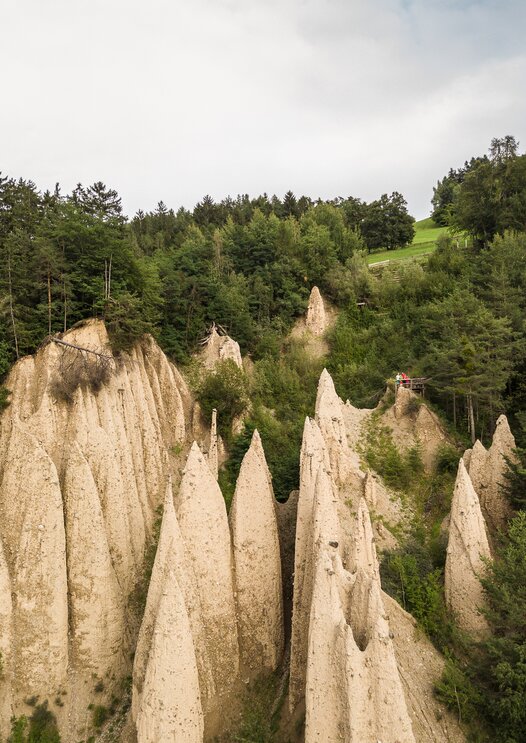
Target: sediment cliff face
[(81, 474), (316, 320), (313, 456), (257, 565), (339, 626), (171, 663), (6, 645), (467, 550), (85, 472), (487, 469), (345, 665), (413, 423), (201, 514), (220, 348)]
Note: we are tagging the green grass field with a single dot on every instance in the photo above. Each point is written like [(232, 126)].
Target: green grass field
[(424, 242)]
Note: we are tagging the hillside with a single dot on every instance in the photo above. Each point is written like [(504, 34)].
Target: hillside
[(221, 520), (424, 243), (213, 606), (111, 454)]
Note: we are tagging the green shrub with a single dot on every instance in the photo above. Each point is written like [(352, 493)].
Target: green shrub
[(257, 724), (124, 318), (41, 727), (515, 479), (18, 730), (447, 459), (413, 460), (414, 404), (140, 593), (226, 390), (99, 715), (398, 469), (413, 581), (4, 398), (502, 669), (456, 690)]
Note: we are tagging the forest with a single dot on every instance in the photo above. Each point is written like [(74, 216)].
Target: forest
[(248, 264)]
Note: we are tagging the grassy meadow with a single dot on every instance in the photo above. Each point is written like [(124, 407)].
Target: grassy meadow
[(424, 241)]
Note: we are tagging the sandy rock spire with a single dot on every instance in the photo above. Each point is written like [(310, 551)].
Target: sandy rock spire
[(213, 461), (403, 398), (32, 531), (86, 470), (487, 470), (170, 706), (467, 548), (330, 419), (369, 490), (257, 564), (171, 564), (326, 698), (6, 619), (313, 455), (329, 413), (316, 320), (203, 521), (219, 348), (97, 616), (353, 691)]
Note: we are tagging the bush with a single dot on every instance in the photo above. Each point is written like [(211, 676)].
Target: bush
[(515, 479), (226, 390), (456, 690), (41, 727), (447, 459), (99, 715), (414, 404), (411, 579), (398, 469), (124, 318), (502, 671), (4, 398)]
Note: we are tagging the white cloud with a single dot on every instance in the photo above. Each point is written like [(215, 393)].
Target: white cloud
[(172, 99)]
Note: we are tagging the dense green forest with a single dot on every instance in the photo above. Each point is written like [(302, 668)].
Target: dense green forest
[(248, 264)]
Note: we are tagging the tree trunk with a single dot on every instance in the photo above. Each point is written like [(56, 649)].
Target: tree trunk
[(11, 308), (65, 307), (471, 417), (455, 410), (49, 302)]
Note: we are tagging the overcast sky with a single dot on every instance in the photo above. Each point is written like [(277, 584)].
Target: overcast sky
[(173, 99)]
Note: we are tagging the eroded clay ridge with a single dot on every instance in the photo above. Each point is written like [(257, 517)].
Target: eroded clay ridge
[(172, 663), (487, 468), (220, 348), (213, 615), (257, 565), (316, 320), (343, 662), (84, 453), (467, 553), (344, 666)]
